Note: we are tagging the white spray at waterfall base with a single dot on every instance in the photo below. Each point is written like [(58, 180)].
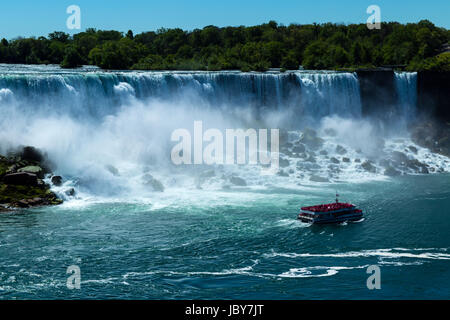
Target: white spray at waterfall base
[(109, 133)]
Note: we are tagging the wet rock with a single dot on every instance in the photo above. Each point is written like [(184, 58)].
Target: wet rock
[(21, 183), (344, 159), (357, 160), (289, 145), (330, 132), (412, 149), (368, 166), (38, 171), (399, 157), (424, 170), (56, 181), (21, 178), (334, 160), (417, 166), (238, 181), (300, 148), (155, 184), (334, 169), (113, 170), (391, 172), (316, 178), (340, 150), (432, 135), (23, 203), (287, 153), (282, 173), (310, 139), (310, 158), (70, 192), (284, 163)]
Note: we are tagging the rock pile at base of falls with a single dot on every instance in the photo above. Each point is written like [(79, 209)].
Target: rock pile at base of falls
[(21, 179), (305, 155)]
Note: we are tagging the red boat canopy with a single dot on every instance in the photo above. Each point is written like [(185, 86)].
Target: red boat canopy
[(328, 207)]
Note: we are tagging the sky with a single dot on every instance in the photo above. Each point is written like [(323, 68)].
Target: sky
[(39, 18)]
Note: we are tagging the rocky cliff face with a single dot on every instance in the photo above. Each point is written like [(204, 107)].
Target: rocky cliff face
[(378, 93), (433, 97)]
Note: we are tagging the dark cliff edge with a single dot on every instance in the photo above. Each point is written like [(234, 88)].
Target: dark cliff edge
[(432, 126), (378, 93), (433, 95), (433, 103)]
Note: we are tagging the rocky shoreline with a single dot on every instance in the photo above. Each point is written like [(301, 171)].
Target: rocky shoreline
[(22, 185)]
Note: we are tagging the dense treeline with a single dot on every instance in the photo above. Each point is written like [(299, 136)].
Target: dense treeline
[(325, 46)]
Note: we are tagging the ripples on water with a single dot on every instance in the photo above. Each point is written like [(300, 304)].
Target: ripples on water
[(203, 249)]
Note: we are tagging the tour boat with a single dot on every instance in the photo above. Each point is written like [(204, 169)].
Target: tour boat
[(330, 213)]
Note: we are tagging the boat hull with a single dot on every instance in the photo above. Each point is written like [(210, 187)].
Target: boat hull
[(333, 220)]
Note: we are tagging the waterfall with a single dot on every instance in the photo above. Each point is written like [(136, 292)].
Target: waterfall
[(97, 94), (330, 93), (406, 87)]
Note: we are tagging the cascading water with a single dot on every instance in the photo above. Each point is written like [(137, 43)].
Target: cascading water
[(406, 86), (125, 119), (325, 93), (218, 231)]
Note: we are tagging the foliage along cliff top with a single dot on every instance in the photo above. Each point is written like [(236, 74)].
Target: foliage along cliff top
[(418, 46)]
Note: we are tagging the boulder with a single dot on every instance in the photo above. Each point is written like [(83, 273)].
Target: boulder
[(340, 150), (310, 158), (282, 173), (334, 160), (21, 178), (310, 139), (330, 132), (399, 157), (284, 163), (70, 192), (368, 166), (155, 184), (299, 148), (38, 171), (417, 166), (334, 169), (238, 181), (113, 170), (56, 181), (344, 159), (413, 149)]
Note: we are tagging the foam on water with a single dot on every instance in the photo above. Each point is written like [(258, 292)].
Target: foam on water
[(105, 131)]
